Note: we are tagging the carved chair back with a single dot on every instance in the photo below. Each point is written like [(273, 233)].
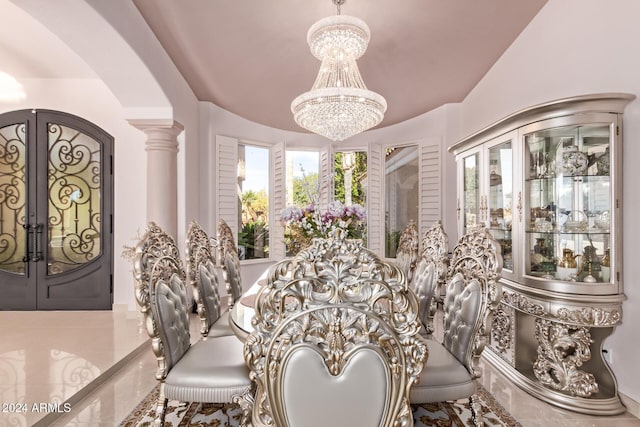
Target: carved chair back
[(408, 250), (344, 297), (472, 296), (430, 273), (201, 271), (310, 350), (161, 295), (229, 261)]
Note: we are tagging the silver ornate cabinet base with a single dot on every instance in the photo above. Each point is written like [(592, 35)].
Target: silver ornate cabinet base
[(552, 348)]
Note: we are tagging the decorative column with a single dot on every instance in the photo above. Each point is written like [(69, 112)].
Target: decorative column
[(162, 171)]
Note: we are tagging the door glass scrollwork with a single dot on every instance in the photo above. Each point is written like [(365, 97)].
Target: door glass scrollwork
[(13, 231), (74, 215)]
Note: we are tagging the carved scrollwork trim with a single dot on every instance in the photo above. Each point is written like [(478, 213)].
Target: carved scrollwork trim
[(562, 350), (408, 250), (503, 332), (588, 316), (523, 303), (229, 261), (595, 316), (435, 248), (198, 252)]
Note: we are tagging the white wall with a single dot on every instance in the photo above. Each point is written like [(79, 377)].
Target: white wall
[(576, 47), (93, 101)]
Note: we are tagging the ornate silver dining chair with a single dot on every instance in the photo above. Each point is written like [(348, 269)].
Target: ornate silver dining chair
[(408, 250), (201, 271), (208, 371), (472, 296), (229, 261), (430, 273), (336, 340)]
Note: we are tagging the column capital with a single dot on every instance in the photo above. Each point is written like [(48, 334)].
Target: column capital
[(157, 124), (161, 133)]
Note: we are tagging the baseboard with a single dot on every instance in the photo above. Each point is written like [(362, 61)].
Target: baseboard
[(633, 407)]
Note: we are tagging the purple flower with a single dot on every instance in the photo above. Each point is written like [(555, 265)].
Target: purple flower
[(335, 210), (292, 213), (358, 211)]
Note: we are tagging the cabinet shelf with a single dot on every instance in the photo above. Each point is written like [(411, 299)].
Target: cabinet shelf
[(569, 233), (569, 177)]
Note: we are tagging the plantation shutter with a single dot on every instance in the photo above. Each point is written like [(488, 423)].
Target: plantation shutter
[(375, 202), (277, 187), (326, 176), (228, 199), (430, 185)]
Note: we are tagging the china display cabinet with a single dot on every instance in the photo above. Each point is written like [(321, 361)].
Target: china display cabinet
[(546, 182)]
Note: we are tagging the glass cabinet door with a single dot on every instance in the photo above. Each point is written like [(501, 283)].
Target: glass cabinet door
[(568, 191), (470, 204), (500, 198)]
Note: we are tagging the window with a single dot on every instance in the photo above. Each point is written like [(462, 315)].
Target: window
[(253, 194), (302, 177), (350, 173), (401, 168)]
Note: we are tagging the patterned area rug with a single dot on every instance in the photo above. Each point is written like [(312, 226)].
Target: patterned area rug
[(179, 414)]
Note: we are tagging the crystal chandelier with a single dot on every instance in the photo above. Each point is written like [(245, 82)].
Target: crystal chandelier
[(338, 105)]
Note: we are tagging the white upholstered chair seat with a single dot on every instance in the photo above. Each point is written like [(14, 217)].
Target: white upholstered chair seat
[(207, 363), (221, 327), (443, 378)]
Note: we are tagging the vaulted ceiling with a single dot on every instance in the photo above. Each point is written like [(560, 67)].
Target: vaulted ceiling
[(251, 57)]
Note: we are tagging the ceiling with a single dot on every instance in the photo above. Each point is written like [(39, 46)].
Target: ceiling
[(251, 57)]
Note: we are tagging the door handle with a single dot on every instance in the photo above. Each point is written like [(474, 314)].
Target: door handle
[(33, 251), (28, 247), (37, 242)]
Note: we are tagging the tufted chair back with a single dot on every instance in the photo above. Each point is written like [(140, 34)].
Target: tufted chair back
[(315, 314), (229, 261), (430, 273), (472, 296), (425, 283), (170, 308), (202, 275), (408, 250), (161, 294), (462, 305)]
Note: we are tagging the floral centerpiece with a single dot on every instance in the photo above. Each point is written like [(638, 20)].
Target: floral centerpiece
[(302, 225)]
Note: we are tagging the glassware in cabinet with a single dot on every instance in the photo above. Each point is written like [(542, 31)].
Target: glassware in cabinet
[(568, 194)]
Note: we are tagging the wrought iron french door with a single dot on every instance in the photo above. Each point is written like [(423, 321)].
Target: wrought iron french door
[(56, 205)]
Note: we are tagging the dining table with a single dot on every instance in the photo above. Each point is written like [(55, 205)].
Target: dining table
[(243, 310)]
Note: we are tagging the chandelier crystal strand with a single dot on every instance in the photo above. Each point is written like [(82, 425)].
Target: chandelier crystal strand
[(339, 105)]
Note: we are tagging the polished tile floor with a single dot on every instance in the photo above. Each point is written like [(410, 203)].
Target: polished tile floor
[(53, 357)]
